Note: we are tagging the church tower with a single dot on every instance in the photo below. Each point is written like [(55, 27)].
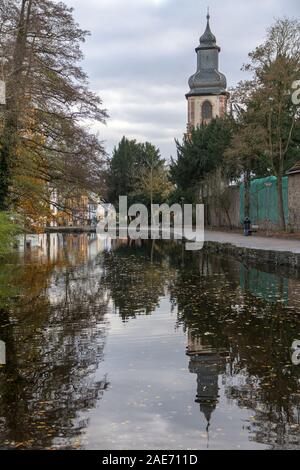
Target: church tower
[(207, 98)]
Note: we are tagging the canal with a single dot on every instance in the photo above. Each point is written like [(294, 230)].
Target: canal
[(115, 345)]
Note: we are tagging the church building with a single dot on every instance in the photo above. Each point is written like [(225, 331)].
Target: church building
[(208, 96)]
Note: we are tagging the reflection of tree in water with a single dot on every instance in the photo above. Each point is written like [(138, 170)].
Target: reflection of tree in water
[(258, 336), (136, 277), (55, 335), (54, 328), (276, 417)]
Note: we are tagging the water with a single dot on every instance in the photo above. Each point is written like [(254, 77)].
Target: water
[(118, 346)]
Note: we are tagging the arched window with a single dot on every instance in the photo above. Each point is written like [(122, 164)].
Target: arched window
[(206, 111)]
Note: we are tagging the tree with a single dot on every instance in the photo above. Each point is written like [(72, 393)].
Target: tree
[(245, 157), (43, 134), (275, 66), (152, 183), (199, 155), (138, 172), (122, 169)]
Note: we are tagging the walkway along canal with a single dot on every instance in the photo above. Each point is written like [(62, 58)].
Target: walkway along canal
[(276, 251)]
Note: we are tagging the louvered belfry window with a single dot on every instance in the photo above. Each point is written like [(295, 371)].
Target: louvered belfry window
[(206, 111)]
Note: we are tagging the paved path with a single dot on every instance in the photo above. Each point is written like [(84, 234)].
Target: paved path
[(254, 242)]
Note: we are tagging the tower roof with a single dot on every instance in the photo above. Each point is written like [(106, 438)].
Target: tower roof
[(208, 39), (207, 80)]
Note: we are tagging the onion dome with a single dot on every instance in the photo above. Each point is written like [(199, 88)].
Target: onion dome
[(208, 80)]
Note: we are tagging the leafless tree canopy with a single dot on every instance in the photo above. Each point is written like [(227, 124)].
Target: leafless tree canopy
[(45, 127)]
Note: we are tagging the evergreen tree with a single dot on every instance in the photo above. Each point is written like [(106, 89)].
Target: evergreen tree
[(200, 154), (122, 169), (137, 171)]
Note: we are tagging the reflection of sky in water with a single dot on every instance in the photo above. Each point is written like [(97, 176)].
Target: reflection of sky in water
[(151, 400), (87, 368)]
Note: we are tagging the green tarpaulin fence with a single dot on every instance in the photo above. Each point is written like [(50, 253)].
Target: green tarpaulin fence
[(264, 200)]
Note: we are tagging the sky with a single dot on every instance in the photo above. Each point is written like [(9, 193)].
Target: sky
[(141, 53)]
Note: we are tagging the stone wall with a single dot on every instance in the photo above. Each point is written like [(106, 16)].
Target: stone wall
[(271, 257), (226, 211), (294, 201)]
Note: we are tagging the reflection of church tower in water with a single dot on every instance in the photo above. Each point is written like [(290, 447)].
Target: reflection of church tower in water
[(208, 97), (208, 364)]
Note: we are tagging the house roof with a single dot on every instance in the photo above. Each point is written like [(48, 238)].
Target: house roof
[(295, 169)]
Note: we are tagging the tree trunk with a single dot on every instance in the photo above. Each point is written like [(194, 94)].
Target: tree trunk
[(228, 218), (247, 195), (282, 222), (151, 199), (15, 90), (4, 179)]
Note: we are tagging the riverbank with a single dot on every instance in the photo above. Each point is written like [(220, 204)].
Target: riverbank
[(275, 250), (288, 235), (278, 251)]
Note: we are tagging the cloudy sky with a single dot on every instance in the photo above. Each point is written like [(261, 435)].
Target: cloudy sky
[(142, 52)]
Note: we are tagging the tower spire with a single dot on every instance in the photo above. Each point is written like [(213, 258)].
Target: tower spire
[(207, 97), (208, 37)]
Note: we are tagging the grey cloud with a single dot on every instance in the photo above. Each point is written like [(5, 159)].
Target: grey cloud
[(141, 54)]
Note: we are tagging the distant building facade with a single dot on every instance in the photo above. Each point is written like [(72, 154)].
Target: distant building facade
[(208, 96), (76, 211)]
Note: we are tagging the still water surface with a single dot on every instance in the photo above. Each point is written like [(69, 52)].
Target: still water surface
[(133, 347)]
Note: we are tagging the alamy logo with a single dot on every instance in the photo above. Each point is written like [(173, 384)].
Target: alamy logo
[(178, 222), (296, 93), (296, 353), (2, 353), (2, 93)]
